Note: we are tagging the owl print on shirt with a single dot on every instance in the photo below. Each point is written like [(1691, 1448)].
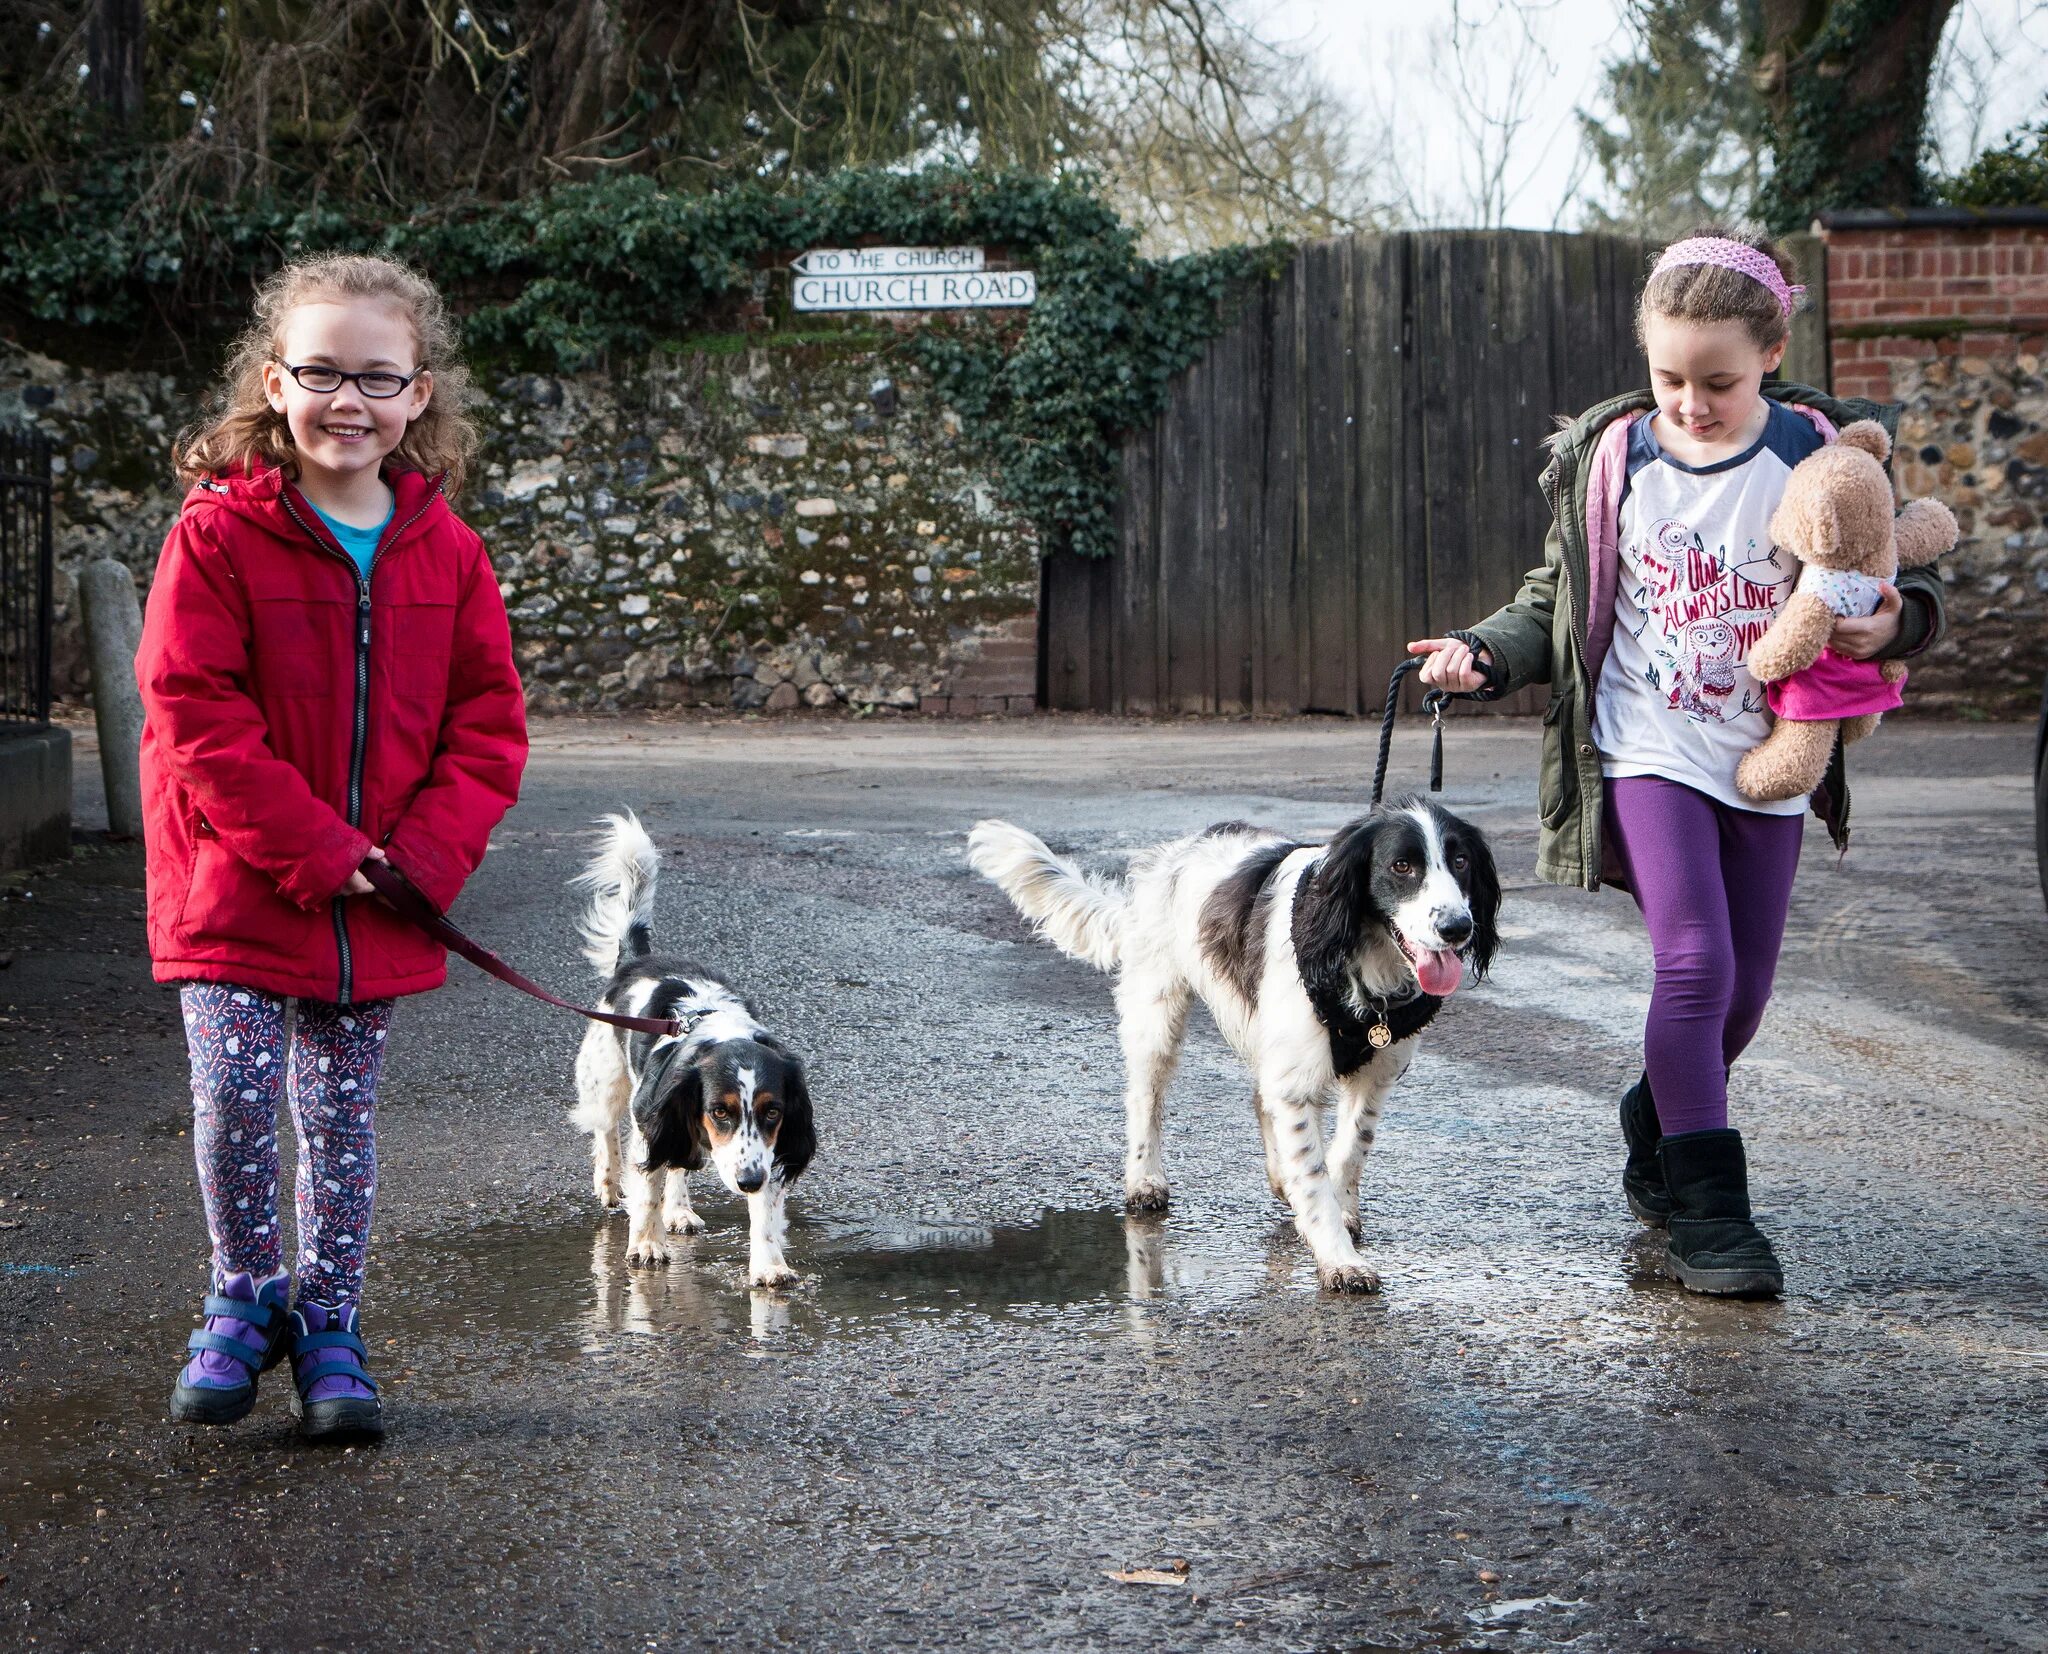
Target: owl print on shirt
[(1698, 611)]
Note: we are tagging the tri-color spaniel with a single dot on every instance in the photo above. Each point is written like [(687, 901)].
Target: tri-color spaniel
[(722, 1091), (1321, 963)]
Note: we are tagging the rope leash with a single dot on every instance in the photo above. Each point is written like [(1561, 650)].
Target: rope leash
[(1434, 702)]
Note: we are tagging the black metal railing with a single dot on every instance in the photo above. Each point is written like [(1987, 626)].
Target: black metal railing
[(27, 568)]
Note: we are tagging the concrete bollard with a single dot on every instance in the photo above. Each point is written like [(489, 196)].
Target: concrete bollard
[(113, 632)]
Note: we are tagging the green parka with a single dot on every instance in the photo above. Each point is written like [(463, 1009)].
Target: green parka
[(1541, 638)]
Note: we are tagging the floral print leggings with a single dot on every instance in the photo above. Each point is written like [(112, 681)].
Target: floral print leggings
[(241, 1062)]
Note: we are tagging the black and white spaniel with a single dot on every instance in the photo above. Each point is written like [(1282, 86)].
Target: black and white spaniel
[(1321, 963), (722, 1091)]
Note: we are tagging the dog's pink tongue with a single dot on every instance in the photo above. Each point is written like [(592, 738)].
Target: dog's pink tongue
[(1439, 971)]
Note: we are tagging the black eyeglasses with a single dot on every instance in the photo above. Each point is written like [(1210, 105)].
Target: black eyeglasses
[(321, 381)]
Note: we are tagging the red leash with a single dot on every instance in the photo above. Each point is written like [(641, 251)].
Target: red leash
[(409, 904)]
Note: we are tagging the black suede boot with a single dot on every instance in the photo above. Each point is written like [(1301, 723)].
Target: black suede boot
[(1714, 1245), (1642, 1179)]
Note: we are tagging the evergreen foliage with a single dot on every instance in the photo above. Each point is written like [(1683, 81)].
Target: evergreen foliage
[(591, 273), (1685, 141)]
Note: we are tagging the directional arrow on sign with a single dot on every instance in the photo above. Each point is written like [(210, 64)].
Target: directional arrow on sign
[(887, 261)]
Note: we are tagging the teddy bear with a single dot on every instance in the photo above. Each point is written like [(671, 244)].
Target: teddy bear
[(1836, 518)]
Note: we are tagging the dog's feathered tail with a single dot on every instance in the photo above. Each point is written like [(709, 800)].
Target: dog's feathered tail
[(1080, 915), (620, 879)]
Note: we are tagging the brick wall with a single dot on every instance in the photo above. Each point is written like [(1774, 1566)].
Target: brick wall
[(1909, 289), (997, 672)]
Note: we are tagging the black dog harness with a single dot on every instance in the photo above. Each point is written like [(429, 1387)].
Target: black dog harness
[(1353, 1040)]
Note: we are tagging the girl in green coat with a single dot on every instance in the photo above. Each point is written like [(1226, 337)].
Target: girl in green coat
[(1658, 576)]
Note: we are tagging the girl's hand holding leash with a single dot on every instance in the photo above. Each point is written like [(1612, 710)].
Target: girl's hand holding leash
[(1863, 637), (1451, 664), (358, 885)]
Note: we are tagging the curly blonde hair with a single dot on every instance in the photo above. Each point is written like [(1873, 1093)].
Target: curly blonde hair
[(241, 427), (1709, 293)]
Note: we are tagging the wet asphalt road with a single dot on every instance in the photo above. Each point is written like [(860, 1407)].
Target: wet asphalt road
[(993, 1390)]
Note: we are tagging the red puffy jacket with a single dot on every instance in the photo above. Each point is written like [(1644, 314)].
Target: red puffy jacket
[(297, 713)]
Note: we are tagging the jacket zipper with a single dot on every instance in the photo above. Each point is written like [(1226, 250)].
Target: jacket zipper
[(345, 961)]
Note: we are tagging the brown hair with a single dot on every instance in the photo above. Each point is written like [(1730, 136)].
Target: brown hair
[(241, 427), (1712, 293)]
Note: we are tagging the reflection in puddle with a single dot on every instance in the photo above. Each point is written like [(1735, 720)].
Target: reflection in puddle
[(859, 1274)]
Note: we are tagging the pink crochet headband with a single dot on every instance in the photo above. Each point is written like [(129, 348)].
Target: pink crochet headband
[(1730, 255)]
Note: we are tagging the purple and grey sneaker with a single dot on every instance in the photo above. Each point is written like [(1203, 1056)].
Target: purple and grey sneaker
[(336, 1398), (244, 1335)]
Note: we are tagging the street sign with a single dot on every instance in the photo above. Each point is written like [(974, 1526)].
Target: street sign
[(962, 290), (886, 261)]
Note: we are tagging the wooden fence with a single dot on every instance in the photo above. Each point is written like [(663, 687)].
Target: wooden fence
[(1353, 464)]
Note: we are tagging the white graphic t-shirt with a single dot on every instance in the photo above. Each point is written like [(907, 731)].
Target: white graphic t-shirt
[(1698, 582)]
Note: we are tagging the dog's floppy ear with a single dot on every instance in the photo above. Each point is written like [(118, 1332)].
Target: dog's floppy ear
[(668, 1107), (1485, 879), (1334, 907), (796, 1140)]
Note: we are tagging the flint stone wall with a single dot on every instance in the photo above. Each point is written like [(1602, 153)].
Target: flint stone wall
[(756, 529), (1974, 434)]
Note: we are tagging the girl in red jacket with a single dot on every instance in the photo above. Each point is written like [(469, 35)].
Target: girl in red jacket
[(327, 674)]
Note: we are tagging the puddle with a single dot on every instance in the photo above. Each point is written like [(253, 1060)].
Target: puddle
[(567, 1282), (554, 1303)]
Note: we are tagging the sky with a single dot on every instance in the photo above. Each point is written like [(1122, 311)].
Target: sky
[(1378, 54)]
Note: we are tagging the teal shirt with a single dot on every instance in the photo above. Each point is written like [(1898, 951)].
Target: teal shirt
[(359, 543)]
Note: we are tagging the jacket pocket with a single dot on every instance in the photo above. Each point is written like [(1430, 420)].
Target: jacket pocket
[(1557, 784), (229, 904)]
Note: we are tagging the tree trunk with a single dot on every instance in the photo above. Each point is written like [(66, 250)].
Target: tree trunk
[(114, 42), (1846, 85)]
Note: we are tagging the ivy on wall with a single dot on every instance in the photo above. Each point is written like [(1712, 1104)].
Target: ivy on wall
[(591, 272)]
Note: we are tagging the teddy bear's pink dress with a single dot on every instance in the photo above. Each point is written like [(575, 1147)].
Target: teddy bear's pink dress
[(1835, 686)]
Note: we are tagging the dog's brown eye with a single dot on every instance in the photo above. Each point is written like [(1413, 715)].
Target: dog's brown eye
[(1404, 868), (1458, 864), (769, 1116)]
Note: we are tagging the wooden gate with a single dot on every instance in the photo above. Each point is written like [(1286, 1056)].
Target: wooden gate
[(1352, 465)]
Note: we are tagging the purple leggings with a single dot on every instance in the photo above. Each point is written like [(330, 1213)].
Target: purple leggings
[(1714, 884), (241, 1065)]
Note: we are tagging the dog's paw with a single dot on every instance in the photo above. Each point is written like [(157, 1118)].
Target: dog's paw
[(683, 1223), (647, 1252), (1348, 1277), (605, 1185), (1145, 1194), (775, 1274)]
